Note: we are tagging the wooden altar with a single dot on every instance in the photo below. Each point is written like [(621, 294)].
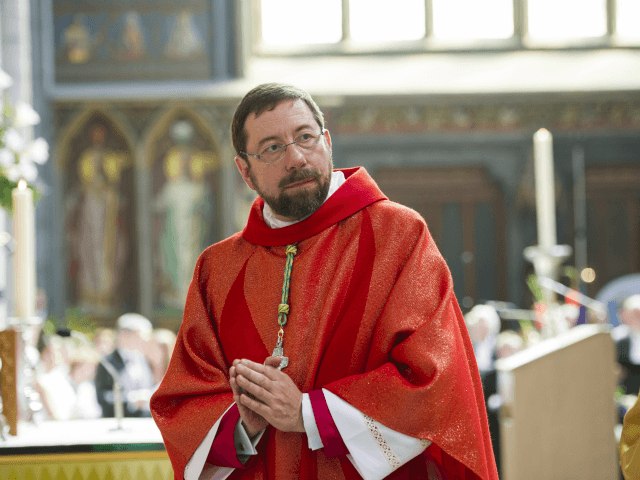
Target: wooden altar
[(86, 450)]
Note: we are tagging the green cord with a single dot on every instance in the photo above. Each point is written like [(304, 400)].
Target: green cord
[(283, 308)]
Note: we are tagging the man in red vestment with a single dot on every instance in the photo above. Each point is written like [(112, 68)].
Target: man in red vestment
[(324, 340)]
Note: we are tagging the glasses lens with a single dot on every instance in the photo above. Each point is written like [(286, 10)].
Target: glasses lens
[(306, 140), (272, 153)]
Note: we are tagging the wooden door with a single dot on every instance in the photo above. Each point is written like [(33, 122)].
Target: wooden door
[(464, 210)]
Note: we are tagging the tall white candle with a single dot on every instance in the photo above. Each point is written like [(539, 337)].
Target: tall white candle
[(24, 255), (545, 188)]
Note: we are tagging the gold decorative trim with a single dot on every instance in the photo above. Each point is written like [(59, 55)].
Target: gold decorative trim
[(388, 453), (53, 458)]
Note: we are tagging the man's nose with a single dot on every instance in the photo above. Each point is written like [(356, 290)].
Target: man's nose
[(294, 157)]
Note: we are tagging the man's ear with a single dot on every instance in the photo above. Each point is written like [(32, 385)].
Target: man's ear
[(327, 137), (243, 168)]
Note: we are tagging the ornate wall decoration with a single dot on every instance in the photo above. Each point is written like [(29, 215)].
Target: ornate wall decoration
[(497, 117), (112, 40)]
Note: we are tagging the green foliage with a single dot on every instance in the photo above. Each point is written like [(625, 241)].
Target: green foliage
[(6, 186), (532, 283), (49, 326), (76, 320)]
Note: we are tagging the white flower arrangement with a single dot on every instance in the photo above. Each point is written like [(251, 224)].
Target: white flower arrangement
[(18, 158)]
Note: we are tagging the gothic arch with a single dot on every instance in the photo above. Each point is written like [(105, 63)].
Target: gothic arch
[(81, 119)]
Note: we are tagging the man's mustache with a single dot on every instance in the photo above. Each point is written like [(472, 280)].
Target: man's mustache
[(298, 176)]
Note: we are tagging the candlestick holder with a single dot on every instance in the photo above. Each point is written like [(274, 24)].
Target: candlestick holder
[(4, 424), (29, 401), (546, 263)]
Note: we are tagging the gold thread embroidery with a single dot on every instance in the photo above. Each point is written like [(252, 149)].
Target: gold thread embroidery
[(388, 453)]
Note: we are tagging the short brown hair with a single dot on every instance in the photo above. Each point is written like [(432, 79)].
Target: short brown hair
[(266, 97)]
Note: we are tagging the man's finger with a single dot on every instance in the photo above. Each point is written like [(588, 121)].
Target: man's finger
[(235, 388), (255, 405), (267, 371), (259, 378), (252, 389)]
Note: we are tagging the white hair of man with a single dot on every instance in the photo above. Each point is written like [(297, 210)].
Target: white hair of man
[(632, 302), (486, 312), (136, 323), (508, 343)]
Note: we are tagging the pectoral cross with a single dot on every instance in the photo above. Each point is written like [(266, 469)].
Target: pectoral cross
[(278, 352)]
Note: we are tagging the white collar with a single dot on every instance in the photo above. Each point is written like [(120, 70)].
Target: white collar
[(337, 179)]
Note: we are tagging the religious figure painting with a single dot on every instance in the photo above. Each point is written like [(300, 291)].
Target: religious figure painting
[(187, 40), (123, 41), (100, 219), (79, 37), (185, 179), (129, 37)]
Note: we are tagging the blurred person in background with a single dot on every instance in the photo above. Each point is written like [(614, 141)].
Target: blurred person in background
[(483, 324), (104, 340), (508, 343), (52, 377), (136, 377), (627, 339), (159, 352), (82, 372)]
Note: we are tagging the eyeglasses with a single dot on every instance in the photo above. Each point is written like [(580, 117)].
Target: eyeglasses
[(275, 152)]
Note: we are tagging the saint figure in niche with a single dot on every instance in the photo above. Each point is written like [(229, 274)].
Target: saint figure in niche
[(98, 240), (186, 204)]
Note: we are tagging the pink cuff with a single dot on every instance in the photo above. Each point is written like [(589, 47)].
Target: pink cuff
[(331, 439), (223, 449)]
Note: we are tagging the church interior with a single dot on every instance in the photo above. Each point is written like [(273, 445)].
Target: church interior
[(452, 106)]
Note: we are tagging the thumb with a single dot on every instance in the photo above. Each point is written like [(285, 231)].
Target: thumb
[(272, 362)]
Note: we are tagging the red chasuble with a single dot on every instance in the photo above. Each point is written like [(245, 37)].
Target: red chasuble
[(373, 319)]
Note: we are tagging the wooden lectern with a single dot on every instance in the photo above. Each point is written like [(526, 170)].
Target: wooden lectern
[(558, 414)]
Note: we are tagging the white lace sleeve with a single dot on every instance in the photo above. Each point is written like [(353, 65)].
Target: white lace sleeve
[(375, 450)]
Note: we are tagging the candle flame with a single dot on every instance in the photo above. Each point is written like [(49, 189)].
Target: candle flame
[(22, 184)]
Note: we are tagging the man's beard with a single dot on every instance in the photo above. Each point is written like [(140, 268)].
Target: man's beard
[(301, 204)]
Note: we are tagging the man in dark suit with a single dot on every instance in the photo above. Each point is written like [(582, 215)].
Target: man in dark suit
[(133, 369), (627, 338)]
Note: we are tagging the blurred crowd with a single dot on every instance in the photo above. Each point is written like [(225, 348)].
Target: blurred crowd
[(494, 338), (73, 373)]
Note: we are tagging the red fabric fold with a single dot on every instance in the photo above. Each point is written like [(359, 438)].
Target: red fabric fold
[(331, 439), (223, 450), (342, 204)]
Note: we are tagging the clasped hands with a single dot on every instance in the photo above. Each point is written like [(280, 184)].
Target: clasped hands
[(276, 401)]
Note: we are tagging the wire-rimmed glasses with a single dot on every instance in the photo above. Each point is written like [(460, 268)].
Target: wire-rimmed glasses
[(275, 152)]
